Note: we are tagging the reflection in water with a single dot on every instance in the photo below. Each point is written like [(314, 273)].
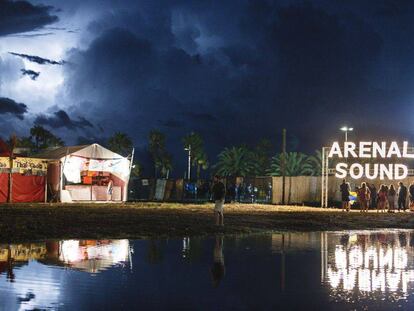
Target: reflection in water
[(86, 255), (217, 270), (36, 285), (366, 263), (288, 271), (92, 255)]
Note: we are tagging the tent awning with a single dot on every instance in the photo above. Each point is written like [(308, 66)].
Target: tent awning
[(93, 151)]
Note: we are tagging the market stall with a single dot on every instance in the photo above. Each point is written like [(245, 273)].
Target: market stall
[(28, 179), (87, 173)]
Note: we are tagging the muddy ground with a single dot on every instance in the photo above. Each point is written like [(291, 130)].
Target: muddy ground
[(31, 222)]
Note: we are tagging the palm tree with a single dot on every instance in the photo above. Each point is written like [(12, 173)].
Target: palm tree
[(296, 165), (120, 143), (198, 155), (202, 164), (136, 169), (39, 134), (315, 163), (165, 164), (262, 156), (235, 161), (156, 147), (44, 138)]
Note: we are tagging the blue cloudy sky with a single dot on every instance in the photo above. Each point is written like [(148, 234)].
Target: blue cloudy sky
[(234, 71)]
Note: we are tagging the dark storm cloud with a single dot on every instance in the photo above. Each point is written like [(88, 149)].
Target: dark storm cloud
[(38, 59), (60, 119), (30, 73), (9, 106), (309, 67), (22, 16), (33, 35), (171, 123), (202, 117)]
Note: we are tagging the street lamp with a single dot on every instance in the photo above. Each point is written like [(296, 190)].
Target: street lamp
[(346, 130), (189, 162)]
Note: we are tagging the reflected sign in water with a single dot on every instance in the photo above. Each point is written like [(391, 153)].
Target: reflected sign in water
[(379, 263)]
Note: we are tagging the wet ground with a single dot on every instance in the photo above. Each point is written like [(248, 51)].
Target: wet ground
[(31, 222)]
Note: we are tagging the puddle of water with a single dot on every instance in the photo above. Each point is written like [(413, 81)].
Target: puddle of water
[(368, 270)]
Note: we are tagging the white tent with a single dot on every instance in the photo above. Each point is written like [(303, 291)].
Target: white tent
[(88, 173)]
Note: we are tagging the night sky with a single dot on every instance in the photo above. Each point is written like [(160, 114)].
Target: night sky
[(234, 71)]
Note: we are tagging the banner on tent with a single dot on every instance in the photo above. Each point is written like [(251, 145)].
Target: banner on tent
[(74, 165), (4, 163), (118, 166), (22, 165)]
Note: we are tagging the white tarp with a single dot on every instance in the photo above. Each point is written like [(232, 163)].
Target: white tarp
[(73, 166), (118, 167), (96, 151)]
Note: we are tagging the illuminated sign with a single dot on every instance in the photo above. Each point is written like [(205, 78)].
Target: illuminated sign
[(371, 150)]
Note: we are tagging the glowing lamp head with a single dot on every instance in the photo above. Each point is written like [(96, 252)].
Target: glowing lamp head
[(346, 129)]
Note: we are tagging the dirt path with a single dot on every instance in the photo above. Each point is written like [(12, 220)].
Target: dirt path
[(30, 222)]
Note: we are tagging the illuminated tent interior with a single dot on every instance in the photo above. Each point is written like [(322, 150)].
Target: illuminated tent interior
[(87, 173)]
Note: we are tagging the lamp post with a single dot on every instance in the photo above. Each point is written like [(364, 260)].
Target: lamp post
[(346, 129), (189, 162)]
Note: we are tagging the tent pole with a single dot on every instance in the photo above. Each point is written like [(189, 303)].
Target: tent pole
[(46, 188), (130, 169), (62, 167)]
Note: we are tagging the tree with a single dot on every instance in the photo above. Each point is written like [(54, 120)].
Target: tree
[(262, 156), (136, 169), (161, 158), (235, 161), (25, 142), (202, 163), (44, 138), (297, 164), (198, 154), (315, 163), (39, 134), (120, 143), (166, 164)]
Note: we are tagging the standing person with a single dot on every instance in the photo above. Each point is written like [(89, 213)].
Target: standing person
[(391, 198), (374, 197), (250, 193), (402, 196), (269, 192), (109, 190), (345, 189), (219, 193), (386, 203), (364, 197), (237, 192), (411, 192), (382, 198)]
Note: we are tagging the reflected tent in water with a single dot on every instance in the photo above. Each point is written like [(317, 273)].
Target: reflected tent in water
[(86, 255)]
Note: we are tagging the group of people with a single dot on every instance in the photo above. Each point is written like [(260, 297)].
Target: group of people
[(387, 198), (247, 192)]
